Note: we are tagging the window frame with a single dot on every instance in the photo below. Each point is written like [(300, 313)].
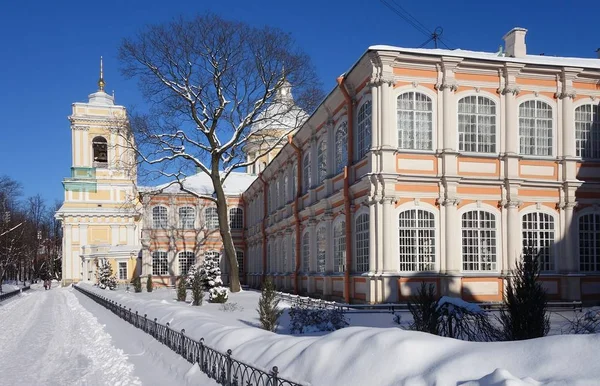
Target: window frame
[(305, 252), (551, 257), (321, 238), (119, 267), (413, 111), (417, 230), (341, 146), (594, 128), (181, 223), (162, 261), (321, 161), (497, 255), (362, 236), (236, 220), (306, 169), (187, 261), (211, 222), (339, 246), (163, 223), (594, 259), (536, 128), (497, 127), (364, 126)]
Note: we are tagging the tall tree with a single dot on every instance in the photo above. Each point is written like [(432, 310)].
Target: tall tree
[(210, 83)]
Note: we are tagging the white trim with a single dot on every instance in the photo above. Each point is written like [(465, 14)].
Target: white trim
[(437, 242), (482, 93), (499, 234), (554, 106)]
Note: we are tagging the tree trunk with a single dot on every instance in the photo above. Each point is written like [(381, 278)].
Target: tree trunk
[(228, 245)]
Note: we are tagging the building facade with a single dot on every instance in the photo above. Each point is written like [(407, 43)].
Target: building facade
[(437, 166)]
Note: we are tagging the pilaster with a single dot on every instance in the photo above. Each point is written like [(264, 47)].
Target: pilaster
[(448, 87), (452, 251)]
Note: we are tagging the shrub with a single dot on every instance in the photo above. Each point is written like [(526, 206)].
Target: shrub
[(149, 284), (306, 320), (525, 315), (181, 289), (197, 291), (231, 307), (268, 310), (137, 284), (218, 295), (424, 309), (587, 322), (463, 320)]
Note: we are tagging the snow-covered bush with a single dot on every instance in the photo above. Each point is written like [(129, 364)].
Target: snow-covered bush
[(587, 322), (211, 279), (189, 278), (307, 320), (463, 320), (231, 307), (105, 276)]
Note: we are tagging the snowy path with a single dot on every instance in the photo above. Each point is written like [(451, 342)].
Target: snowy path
[(52, 338)]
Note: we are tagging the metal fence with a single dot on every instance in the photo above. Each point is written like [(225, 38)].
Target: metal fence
[(4, 296), (219, 366)]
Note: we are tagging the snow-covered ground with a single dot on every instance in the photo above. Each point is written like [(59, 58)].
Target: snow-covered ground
[(9, 286), (61, 337), (370, 355)]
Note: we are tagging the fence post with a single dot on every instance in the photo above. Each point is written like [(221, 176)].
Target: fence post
[(146, 322), (202, 367), (182, 337), (136, 319), (155, 328), (275, 377), (229, 365), (168, 335), (129, 316)]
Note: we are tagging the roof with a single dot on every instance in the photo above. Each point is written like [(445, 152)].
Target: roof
[(493, 56), (235, 184)]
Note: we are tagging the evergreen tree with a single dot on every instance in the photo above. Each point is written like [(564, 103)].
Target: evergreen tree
[(137, 284), (424, 309), (525, 315), (268, 310), (181, 289), (189, 278), (197, 291), (149, 284), (211, 279), (105, 276)]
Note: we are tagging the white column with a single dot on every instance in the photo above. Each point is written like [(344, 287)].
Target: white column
[(390, 259), (513, 236), (375, 106), (511, 135), (67, 254), (329, 242), (450, 130), (373, 239), (568, 133), (388, 115), (569, 254), (453, 236)]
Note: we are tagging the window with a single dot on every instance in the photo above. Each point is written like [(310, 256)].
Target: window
[(538, 234), (306, 180), (306, 252), (211, 218), (321, 161), (186, 261), (236, 218), (415, 121), (479, 241), (321, 249), (535, 128), (278, 200), (416, 229), (293, 254), (122, 270), (587, 131), (159, 217), (284, 262), (160, 266), (286, 191), (341, 147), (363, 140), (362, 243), (477, 125), (339, 247), (589, 242), (187, 215), (240, 261), (294, 180), (100, 151)]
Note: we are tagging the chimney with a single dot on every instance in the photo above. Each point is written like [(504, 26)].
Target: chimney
[(514, 42), (598, 53)]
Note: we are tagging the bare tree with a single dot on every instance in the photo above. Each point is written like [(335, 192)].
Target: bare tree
[(214, 86)]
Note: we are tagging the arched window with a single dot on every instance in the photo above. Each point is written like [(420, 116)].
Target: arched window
[(363, 125), (321, 249), (589, 242), (286, 188), (100, 151), (477, 124), (535, 128), (587, 131), (306, 252), (236, 218), (415, 121), (362, 243), (341, 147), (240, 261), (211, 218), (339, 246), (416, 228), (159, 217), (160, 265), (186, 261), (293, 254), (187, 216), (321, 161), (538, 235), (479, 249), (306, 179)]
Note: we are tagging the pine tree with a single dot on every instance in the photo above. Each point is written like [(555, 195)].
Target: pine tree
[(149, 284), (197, 291), (181, 289), (525, 315), (105, 276), (137, 284), (211, 279), (189, 278), (268, 303)]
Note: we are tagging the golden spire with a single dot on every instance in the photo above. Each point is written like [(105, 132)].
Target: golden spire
[(101, 80)]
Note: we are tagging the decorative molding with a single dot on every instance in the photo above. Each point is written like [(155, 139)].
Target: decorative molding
[(538, 205), (415, 84), (451, 201), (417, 202), (514, 90), (536, 93), (452, 86), (477, 90), (513, 204), (566, 94)]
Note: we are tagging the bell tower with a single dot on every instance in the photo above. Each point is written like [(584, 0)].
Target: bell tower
[(98, 215)]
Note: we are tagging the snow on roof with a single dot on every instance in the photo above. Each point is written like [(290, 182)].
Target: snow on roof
[(493, 56), (235, 184)]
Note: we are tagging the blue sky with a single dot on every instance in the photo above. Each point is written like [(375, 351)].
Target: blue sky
[(50, 52)]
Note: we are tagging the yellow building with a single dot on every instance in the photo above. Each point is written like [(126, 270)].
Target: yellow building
[(99, 216)]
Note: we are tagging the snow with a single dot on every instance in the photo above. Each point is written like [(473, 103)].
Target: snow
[(200, 183), (458, 302), (528, 59), (368, 355)]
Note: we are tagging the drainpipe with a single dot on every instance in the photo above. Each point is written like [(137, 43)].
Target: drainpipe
[(349, 239), (296, 211), (264, 229)]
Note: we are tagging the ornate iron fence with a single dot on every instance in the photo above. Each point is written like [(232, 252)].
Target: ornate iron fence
[(221, 367), (4, 296)]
